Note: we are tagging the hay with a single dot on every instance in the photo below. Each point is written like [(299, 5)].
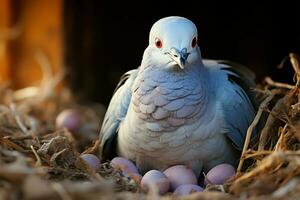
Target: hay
[(37, 161)]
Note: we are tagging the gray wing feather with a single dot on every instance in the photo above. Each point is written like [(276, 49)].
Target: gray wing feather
[(239, 113), (115, 113), (236, 97), (238, 101)]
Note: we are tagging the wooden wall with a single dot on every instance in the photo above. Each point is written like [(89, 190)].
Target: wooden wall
[(29, 27), (4, 24)]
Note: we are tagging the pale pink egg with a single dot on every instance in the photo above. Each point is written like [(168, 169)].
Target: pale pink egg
[(124, 165), (187, 189), (179, 175), (219, 174), (156, 179), (69, 119), (92, 160)]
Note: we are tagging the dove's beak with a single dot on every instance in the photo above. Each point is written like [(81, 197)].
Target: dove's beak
[(179, 57)]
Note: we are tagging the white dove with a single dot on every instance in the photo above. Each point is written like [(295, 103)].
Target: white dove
[(177, 108)]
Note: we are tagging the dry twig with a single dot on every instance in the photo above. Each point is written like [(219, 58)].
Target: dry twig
[(270, 82), (18, 119), (262, 107), (38, 159)]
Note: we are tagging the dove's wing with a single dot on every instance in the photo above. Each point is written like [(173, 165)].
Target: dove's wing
[(234, 89), (115, 113)]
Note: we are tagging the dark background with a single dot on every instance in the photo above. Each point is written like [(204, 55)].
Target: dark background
[(104, 41)]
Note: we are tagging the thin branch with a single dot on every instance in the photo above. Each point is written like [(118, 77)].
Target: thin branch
[(49, 80), (262, 107), (270, 82), (275, 117), (45, 64), (18, 119), (294, 59), (280, 142), (6, 141), (38, 159), (254, 154)]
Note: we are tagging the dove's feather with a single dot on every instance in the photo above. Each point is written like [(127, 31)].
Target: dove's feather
[(115, 113), (235, 96)]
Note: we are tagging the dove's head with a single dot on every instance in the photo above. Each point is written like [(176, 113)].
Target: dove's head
[(173, 43)]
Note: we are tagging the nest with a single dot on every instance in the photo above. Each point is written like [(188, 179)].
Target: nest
[(38, 161)]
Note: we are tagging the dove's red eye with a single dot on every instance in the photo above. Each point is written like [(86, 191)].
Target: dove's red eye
[(158, 43), (194, 42)]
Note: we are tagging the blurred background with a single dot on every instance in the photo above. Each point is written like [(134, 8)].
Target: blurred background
[(95, 43)]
